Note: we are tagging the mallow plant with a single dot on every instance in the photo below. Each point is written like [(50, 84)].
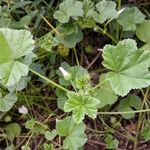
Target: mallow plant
[(126, 65)]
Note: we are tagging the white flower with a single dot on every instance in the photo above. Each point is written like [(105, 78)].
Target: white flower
[(64, 72), (95, 29), (120, 11), (23, 110)]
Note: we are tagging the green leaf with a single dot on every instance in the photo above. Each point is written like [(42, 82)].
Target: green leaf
[(142, 31), (106, 10), (24, 21), (14, 45), (70, 35), (7, 102), (104, 92), (79, 76), (87, 6), (30, 124), (145, 132), (50, 135), (47, 42), (67, 9), (87, 21), (25, 147), (73, 133), (125, 62), (146, 47), (111, 143), (5, 22), (48, 146), (10, 147), (130, 17), (36, 127), (81, 104), (128, 103), (62, 97), (22, 84), (13, 130)]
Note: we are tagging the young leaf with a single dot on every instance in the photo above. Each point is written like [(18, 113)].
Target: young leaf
[(71, 38), (13, 130), (25, 147), (47, 42), (125, 62), (145, 131), (73, 133), (79, 76), (30, 124), (111, 143), (14, 45), (104, 92), (7, 102), (130, 17), (87, 21), (126, 104), (142, 31), (106, 10), (48, 146), (67, 9), (50, 135), (81, 105)]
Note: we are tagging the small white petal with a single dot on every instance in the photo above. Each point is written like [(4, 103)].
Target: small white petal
[(23, 110), (120, 11), (64, 72)]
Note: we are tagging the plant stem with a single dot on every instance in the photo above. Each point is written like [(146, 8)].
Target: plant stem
[(124, 112), (54, 29), (106, 33), (140, 119), (117, 24), (49, 80), (75, 53)]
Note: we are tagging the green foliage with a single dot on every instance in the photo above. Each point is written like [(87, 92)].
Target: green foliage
[(111, 143), (143, 34), (125, 62), (145, 132), (79, 77), (10, 147), (61, 98), (50, 135), (22, 84), (47, 42), (15, 44), (74, 25), (146, 47), (70, 34), (142, 31), (25, 147), (67, 9), (13, 130), (48, 146), (36, 127), (104, 92), (81, 104), (73, 133), (87, 21), (130, 18), (106, 10), (129, 103), (7, 102)]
